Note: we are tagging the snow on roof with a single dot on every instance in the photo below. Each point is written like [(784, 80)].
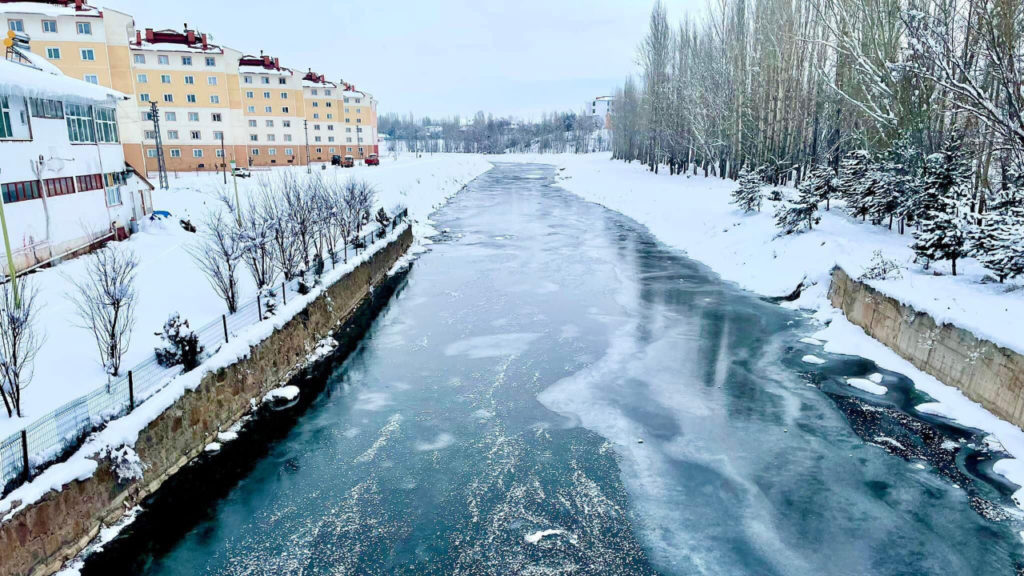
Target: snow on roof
[(324, 84), (47, 9), (26, 81), (249, 69), (171, 47)]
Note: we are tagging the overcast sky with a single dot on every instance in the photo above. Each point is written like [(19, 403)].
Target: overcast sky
[(435, 57)]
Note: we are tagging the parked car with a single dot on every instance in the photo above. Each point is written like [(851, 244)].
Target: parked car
[(372, 160), (348, 162), (241, 173), (335, 160)]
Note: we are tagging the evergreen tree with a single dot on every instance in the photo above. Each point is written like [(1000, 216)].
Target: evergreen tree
[(943, 233), (823, 184), (998, 243), (854, 182), (748, 196), (803, 212), (947, 174)]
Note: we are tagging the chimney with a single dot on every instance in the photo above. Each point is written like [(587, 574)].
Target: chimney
[(79, 5), (138, 37), (149, 35), (277, 63), (205, 45), (266, 60), (190, 35)]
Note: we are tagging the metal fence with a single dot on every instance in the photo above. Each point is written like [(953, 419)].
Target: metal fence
[(55, 435)]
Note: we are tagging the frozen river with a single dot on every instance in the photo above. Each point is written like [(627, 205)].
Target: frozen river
[(552, 391)]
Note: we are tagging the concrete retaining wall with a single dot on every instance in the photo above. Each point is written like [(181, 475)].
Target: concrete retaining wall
[(985, 372), (38, 539)]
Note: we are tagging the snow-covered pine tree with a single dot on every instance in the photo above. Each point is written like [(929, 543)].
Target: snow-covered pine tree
[(855, 183), (943, 233), (180, 344), (896, 184), (822, 183), (748, 196), (998, 243), (947, 174), (793, 217)]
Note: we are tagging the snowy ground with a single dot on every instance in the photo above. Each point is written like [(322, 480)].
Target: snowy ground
[(168, 280), (693, 213)]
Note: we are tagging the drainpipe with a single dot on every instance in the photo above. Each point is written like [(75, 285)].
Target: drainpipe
[(10, 256), (38, 167)]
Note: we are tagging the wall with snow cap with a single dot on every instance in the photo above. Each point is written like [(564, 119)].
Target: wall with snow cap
[(37, 539), (986, 373)]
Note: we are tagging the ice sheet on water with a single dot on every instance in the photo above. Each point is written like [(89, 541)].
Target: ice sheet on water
[(373, 401), (536, 536), (867, 386), (812, 359), (493, 346), (812, 341), (442, 441)]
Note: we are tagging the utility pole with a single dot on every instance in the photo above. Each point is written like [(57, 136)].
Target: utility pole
[(10, 255), (305, 128), (161, 167), (223, 159), (238, 203)]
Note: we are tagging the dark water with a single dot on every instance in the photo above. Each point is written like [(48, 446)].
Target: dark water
[(549, 366)]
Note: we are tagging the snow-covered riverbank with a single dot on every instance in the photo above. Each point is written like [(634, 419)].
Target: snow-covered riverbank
[(694, 214)]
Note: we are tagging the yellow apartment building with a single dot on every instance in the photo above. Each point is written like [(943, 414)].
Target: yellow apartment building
[(215, 103)]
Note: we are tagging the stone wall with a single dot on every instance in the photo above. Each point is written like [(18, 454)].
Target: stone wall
[(38, 539), (988, 374)]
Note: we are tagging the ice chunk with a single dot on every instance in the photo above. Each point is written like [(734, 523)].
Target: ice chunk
[(812, 359), (536, 536), (284, 393), (812, 341), (867, 386)]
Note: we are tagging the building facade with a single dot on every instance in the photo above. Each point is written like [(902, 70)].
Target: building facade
[(63, 178), (215, 104)]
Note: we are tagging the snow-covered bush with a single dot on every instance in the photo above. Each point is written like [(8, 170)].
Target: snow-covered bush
[(268, 301), (125, 463), (384, 220), (180, 344), (793, 217), (882, 268)]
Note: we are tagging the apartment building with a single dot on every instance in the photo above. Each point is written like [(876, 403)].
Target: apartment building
[(215, 104), (63, 178), (274, 110)]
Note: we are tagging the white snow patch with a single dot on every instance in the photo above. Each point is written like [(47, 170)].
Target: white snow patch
[(867, 386), (812, 341), (212, 447), (536, 536), (442, 441), (812, 359), (282, 394)]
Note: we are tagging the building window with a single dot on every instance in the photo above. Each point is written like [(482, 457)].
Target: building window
[(328, 104), (314, 92), (20, 191), (53, 53), (331, 150), (197, 152), (140, 58), (284, 109), (215, 116), (288, 151), (50, 26), (211, 61), (171, 116), (250, 94), (186, 60), (142, 79), (172, 134), (196, 135), (147, 116), (282, 80), (319, 150), (193, 116), (211, 80), (190, 79), (247, 79), (284, 95), (255, 151), (85, 28), (270, 138), (316, 126), (266, 95), (271, 151), (270, 123), (287, 137), (80, 123), (218, 135), (163, 59), (328, 93), (113, 196), (149, 135), (91, 78), (16, 25), (168, 97), (46, 108), (316, 139), (330, 127), (151, 153), (165, 78), (268, 109), (330, 116), (254, 138), (214, 99), (251, 109), (330, 138), (6, 129), (191, 98), (59, 186), (348, 120), (252, 123), (265, 79), (88, 54), (316, 104), (219, 153), (106, 125), (89, 182), (143, 97), (316, 116), (359, 120), (175, 152), (286, 123)]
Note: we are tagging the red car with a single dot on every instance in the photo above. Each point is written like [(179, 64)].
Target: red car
[(372, 160)]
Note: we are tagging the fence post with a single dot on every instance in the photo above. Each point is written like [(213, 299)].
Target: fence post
[(224, 319), (131, 391), (259, 308), (24, 455), (284, 293)]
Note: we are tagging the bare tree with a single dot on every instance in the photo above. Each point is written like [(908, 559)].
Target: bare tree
[(218, 255), (257, 237), (105, 300), (19, 343)]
